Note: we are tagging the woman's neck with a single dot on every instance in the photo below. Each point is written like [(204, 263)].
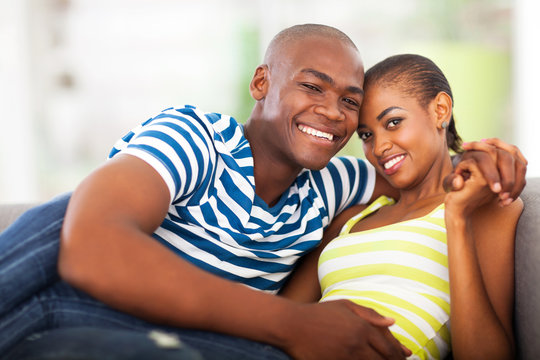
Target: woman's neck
[(430, 191)]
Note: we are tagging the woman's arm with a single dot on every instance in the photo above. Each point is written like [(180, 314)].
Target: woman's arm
[(481, 265)]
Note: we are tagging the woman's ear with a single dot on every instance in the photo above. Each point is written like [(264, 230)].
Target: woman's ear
[(259, 83), (443, 109)]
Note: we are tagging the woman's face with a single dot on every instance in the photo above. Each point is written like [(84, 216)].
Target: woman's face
[(400, 137)]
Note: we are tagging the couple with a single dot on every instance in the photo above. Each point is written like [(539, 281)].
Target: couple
[(192, 207)]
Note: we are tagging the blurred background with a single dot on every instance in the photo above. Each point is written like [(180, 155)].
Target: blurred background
[(75, 75)]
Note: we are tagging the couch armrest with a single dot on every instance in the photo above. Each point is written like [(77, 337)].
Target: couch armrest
[(527, 306)]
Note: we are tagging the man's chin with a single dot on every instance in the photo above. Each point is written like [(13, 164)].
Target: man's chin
[(316, 163)]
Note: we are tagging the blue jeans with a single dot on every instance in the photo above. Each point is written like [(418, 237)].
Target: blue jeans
[(34, 300)]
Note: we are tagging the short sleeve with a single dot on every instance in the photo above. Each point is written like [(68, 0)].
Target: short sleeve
[(345, 181), (178, 146)]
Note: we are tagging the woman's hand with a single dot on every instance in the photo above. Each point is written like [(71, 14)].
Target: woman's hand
[(503, 166), (471, 192)]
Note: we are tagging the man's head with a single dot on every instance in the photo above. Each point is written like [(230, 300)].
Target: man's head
[(308, 94), (296, 33)]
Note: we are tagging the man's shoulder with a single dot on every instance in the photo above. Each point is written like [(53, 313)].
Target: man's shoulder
[(194, 112), (219, 126)]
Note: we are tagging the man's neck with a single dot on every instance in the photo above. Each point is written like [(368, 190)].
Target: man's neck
[(272, 175)]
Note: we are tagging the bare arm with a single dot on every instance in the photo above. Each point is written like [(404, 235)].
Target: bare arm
[(502, 165), (107, 250), (481, 265)]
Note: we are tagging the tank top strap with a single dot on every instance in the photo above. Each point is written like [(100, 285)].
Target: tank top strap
[(374, 206)]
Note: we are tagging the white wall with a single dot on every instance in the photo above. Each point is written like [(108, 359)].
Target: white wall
[(526, 70), (17, 166), (75, 75)]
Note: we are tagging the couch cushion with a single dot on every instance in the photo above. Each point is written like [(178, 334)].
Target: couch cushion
[(527, 307)]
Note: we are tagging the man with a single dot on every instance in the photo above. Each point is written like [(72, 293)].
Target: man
[(237, 205)]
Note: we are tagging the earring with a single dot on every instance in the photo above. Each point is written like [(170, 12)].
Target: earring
[(444, 125)]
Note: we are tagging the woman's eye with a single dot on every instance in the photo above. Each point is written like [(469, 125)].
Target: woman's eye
[(364, 135), (393, 122)]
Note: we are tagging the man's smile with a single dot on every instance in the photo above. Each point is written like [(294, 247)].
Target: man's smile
[(314, 132)]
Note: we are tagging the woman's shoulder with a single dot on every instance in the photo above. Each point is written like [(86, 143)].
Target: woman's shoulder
[(493, 213)]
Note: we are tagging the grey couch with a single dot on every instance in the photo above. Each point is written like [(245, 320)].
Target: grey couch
[(527, 306)]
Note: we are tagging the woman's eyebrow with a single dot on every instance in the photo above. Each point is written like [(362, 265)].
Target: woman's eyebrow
[(387, 110)]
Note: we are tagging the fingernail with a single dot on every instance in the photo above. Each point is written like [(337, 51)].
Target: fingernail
[(508, 201), (483, 140), (497, 187)]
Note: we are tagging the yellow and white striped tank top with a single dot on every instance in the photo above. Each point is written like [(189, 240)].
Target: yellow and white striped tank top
[(399, 270)]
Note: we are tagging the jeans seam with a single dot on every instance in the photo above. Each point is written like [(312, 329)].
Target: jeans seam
[(51, 226)]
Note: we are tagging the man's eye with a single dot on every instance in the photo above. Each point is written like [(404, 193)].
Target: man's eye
[(311, 87), (351, 102)]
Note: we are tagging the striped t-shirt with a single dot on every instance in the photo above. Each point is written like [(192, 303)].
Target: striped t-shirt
[(216, 221), (399, 270)]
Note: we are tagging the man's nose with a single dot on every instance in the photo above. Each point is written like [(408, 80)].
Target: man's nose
[(330, 108)]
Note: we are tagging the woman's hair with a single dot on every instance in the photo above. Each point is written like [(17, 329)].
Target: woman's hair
[(419, 77)]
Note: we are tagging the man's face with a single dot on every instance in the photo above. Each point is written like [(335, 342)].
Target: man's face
[(312, 105)]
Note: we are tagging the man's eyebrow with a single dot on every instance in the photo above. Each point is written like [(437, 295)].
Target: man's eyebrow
[(386, 111), (324, 77)]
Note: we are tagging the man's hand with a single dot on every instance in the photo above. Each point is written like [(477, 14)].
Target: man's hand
[(342, 330), (503, 166)]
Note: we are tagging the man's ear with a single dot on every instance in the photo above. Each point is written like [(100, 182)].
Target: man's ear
[(443, 108), (259, 83)]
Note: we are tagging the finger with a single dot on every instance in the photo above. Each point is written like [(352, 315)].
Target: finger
[(386, 344), (453, 182), (521, 181), (371, 316), (520, 170), (481, 146), (487, 163), (507, 166), (406, 351), (512, 149)]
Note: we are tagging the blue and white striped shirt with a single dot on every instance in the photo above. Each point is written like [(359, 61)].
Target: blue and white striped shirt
[(216, 221)]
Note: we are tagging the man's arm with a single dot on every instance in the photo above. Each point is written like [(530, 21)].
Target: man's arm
[(107, 250), (503, 166)]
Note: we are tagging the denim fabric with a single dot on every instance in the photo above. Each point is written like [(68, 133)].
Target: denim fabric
[(88, 343), (29, 253), (42, 317)]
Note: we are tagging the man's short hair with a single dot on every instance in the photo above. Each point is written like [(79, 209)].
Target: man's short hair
[(303, 31)]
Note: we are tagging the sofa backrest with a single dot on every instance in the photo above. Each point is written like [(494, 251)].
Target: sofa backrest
[(527, 306)]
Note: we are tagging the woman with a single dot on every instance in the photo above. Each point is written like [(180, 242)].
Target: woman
[(430, 259)]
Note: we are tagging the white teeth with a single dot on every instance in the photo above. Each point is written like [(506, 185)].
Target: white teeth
[(394, 161), (315, 132)]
